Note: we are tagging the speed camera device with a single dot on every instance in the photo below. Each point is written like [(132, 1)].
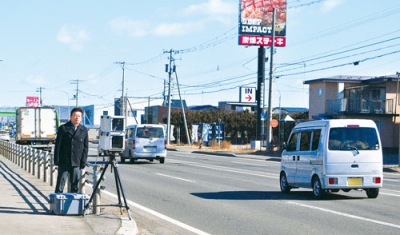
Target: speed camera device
[(111, 134)]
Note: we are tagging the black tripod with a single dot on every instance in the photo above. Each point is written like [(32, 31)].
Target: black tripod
[(118, 183)]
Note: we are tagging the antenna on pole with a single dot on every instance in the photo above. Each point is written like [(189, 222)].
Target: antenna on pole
[(40, 95), (123, 110), (77, 90)]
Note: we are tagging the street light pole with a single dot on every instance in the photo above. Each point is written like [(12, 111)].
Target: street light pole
[(67, 98)]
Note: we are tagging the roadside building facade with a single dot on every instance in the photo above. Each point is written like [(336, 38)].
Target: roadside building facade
[(375, 98)]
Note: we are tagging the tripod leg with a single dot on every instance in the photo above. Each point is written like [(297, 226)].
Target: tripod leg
[(117, 184), (95, 188), (121, 188)]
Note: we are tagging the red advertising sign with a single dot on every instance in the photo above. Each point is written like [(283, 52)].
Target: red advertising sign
[(252, 40), (32, 101), (255, 18)]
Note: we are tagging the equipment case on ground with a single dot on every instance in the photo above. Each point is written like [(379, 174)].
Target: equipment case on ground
[(68, 203)]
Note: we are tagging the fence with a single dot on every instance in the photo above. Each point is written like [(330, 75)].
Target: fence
[(40, 163)]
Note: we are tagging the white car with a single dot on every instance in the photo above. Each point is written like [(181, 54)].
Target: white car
[(4, 135), (146, 141)]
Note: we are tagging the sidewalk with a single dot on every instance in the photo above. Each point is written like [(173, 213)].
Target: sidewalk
[(24, 208)]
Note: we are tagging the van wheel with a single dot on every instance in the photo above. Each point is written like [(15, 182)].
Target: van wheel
[(122, 159), (285, 188), (317, 188), (162, 160), (372, 192)]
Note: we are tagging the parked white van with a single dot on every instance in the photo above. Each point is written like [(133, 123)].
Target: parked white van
[(146, 141), (333, 155)]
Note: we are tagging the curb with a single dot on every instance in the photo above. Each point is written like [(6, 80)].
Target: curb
[(216, 153)]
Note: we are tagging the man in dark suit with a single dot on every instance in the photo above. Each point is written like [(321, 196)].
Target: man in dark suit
[(70, 151)]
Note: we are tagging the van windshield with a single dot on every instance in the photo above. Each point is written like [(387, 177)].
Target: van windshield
[(360, 138), (150, 132)]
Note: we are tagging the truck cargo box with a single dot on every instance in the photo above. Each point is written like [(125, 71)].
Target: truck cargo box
[(36, 127)]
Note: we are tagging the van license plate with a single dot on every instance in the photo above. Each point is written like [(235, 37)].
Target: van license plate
[(354, 181)]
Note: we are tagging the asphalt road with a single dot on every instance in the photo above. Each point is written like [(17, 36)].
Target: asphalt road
[(207, 194)]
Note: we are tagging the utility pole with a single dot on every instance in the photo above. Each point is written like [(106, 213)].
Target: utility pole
[(260, 82), (269, 116), (169, 70), (77, 90), (123, 110), (395, 110), (40, 96)]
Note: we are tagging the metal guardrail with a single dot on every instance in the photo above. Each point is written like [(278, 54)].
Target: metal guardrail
[(40, 163)]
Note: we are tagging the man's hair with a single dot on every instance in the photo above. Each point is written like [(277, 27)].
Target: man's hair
[(77, 109)]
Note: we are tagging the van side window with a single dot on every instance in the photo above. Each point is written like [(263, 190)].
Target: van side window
[(292, 143), (315, 140), (305, 141), (129, 133)]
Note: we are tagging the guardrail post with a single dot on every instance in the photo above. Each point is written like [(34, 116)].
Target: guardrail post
[(25, 155), (9, 151), (53, 170), (97, 196), (46, 166), (82, 182), (13, 153), (39, 155), (34, 161), (19, 152)]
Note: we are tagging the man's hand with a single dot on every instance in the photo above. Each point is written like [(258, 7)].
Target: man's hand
[(83, 165)]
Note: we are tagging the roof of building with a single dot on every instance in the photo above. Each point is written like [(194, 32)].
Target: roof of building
[(353, 79), (203, 107), (245, 104), (291, 109), (340, 78)]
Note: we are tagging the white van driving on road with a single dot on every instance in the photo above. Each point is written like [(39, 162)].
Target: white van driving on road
[(333, 155), (146, 141)]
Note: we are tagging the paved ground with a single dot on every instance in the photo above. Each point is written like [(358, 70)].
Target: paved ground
[(24, 208)]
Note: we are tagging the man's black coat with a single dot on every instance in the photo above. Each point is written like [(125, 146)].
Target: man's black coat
[(71, 148)]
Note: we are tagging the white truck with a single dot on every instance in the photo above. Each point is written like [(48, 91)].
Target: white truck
[(37, 127)]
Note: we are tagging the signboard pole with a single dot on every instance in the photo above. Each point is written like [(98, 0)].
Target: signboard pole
[(269, 113), (260, 82)]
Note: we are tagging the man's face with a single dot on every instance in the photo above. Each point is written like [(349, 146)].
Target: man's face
[(76, 118)]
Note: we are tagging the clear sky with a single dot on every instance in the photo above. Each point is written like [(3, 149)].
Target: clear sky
[(60, 46)]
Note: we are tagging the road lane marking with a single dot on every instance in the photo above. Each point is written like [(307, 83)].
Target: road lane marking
[(390, 194), (275, 176), (178, 178), (161, 216), (246, 163), (346, 215), (391, 180)]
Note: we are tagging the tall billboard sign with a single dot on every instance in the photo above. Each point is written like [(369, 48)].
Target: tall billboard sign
[(32, 101), (255, 22)]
